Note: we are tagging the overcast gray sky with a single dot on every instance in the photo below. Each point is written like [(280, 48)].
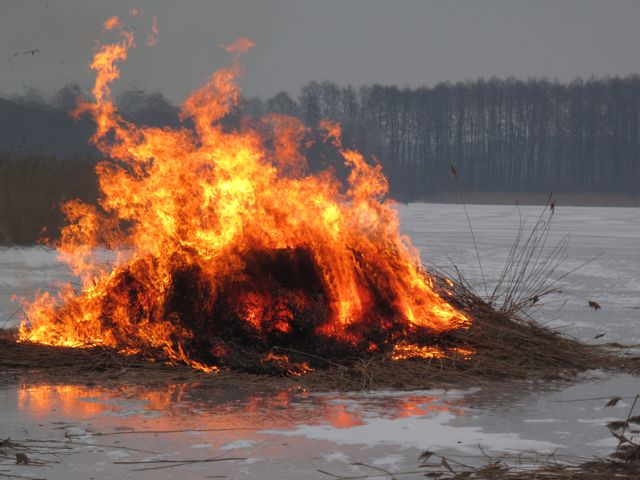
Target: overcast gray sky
[(402, 42)]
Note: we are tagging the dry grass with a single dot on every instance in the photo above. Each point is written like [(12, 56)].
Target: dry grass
[(530, 466)]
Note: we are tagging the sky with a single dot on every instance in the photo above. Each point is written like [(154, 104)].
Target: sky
[(400, 42)]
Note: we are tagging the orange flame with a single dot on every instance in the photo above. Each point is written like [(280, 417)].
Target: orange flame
[(152, 35), (111, 23), (240, 45), (405, 351), (206, 215)]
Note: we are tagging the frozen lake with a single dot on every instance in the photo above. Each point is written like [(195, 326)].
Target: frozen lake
[(295, 434), (603, 244)]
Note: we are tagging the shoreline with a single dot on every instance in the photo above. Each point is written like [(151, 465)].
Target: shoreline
[(526, 198)]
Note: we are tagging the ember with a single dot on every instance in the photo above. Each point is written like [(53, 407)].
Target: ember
[(404, 351), (225, 242)]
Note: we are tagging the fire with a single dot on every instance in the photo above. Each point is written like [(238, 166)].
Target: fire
[(284, 364), (219, 236), (405, 351), (152, 36)]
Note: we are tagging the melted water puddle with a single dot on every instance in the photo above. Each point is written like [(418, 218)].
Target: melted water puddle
[(131, 432)]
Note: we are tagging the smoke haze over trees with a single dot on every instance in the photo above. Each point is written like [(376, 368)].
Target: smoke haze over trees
[(523, 137)]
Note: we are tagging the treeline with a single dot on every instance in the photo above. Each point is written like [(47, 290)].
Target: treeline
[(501, 135), (509, 135), (523, 137), (33, 124)]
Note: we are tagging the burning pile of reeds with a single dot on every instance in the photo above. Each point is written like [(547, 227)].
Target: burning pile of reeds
[(224, 243), (497, 346), (228, 253)]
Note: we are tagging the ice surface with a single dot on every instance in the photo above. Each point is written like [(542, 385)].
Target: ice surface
[(606, 237), (294, 434)]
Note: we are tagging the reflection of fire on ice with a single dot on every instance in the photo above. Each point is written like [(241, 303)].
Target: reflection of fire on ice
[(225, 240)]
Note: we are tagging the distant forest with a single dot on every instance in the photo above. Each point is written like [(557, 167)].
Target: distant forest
[(524, 137)]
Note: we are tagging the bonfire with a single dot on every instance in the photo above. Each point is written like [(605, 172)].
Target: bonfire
[(218, 247), (223, 238)]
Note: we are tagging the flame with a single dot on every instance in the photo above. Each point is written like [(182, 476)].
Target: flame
[(405, 351), (111, 23), (283, 362), (152, 35), (217, 232), (240, 45)]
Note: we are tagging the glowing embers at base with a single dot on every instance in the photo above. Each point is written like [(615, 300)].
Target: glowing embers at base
[(286, 366), (404, 351)]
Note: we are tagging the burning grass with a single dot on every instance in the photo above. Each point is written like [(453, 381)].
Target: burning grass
[(497, 347), (232, 255), (226, 243)]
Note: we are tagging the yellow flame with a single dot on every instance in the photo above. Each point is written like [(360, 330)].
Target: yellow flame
[(206, 197)]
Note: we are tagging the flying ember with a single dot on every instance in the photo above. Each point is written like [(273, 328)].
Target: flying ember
[(222, 239)]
